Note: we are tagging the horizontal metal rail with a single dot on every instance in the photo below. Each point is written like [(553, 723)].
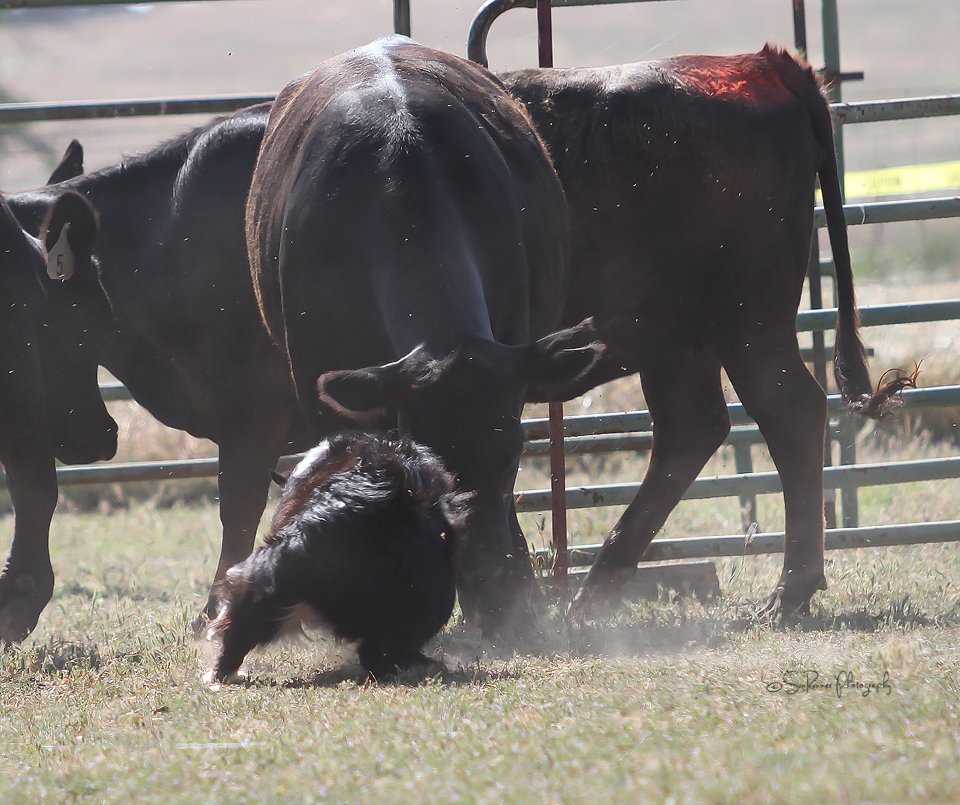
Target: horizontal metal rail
[(144, 107), (661, 550), (860, 112), (637, 442), (885, 212), (137, 471), (876, 315), (633, 423), (639, 421), (19, 4), (846, 476), (898, 109)]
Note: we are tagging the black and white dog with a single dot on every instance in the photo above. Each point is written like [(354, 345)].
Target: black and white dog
[(362, 544)]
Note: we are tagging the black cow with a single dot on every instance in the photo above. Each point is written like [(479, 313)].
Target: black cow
[(55, 319), (690, 182), (362, 544), (187, 339), (407, 239)]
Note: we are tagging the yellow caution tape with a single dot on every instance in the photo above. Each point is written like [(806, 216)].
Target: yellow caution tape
[(905, 180)]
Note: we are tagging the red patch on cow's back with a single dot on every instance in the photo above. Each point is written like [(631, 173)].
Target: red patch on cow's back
[(763, 78)]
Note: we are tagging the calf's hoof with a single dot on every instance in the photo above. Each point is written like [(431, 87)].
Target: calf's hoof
[(600, 596), (790, 599)]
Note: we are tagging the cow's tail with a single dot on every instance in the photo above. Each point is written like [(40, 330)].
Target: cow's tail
[(849, 358)]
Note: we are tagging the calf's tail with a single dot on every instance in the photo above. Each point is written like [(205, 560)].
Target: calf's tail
[(849, 359)]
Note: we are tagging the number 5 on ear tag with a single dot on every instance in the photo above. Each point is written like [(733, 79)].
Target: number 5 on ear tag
[(60, 257)]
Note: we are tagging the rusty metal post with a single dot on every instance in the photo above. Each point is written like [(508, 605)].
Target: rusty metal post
[(800, 28), (558, 469), (558, 497), (544, 33)]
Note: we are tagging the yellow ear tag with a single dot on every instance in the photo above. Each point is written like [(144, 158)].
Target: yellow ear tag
[(60, 258)]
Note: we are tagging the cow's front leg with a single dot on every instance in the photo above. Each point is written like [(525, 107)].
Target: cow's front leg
[(26, 584), (244, 485), (529, 603)]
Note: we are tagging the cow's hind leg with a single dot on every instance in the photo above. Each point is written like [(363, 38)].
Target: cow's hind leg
[(690, 419), (790, 408)]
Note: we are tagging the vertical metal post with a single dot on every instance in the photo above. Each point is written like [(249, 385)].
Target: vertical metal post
[(831, 61), (558, 497), (820, 369), (800, 28), (743, 461), (401, 17), (831, 64), (544, 33), (558, 469)]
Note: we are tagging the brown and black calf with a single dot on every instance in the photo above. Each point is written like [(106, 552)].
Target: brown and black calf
[(362, 545), (54, 321), (691, 185)]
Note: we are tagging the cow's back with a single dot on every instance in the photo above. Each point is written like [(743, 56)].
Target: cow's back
[(393, 155), (675, 171)]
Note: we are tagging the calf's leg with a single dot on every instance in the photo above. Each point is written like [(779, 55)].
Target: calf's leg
[(790, 408), (690, 422)]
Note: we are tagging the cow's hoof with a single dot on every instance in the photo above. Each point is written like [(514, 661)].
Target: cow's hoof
[(22, 599)]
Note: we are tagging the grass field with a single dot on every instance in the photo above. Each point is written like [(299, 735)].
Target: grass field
[(673, 701), (670, 701)]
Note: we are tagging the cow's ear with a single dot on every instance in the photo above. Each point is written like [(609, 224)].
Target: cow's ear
[(367, 395), (68, 235), (71, 164), (360, 395), (560, 361)]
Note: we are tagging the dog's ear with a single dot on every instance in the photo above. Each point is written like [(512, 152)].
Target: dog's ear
[(278, 479)]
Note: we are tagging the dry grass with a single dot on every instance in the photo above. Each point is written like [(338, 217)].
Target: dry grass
[(670, 701)]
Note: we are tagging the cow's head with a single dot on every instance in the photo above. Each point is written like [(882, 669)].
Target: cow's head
[(466, 406), (74, 324)]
